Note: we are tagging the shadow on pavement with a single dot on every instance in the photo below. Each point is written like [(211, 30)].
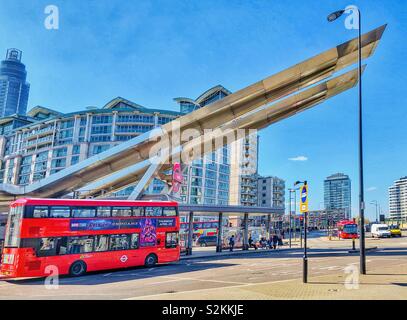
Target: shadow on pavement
[(120, 275), (400, 284)]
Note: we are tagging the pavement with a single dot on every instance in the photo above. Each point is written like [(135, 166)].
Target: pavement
[(379, 284), (261, 274)]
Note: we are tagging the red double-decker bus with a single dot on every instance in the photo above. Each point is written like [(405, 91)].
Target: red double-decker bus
[(347, 229), (78, 236)]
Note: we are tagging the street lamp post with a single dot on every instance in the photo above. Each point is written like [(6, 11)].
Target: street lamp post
[(332, 17)]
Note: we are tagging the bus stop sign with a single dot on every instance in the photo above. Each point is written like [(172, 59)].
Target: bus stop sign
[(304, 199)]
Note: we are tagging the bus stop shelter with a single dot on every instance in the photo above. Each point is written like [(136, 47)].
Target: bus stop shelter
[(220, 211)]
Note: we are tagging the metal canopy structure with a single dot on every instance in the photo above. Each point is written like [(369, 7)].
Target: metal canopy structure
[(254, 107), (228, 210)]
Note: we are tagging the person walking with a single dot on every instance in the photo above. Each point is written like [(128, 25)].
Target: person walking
[(231, 242)]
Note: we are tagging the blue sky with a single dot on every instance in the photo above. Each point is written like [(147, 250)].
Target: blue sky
[(152, 51)]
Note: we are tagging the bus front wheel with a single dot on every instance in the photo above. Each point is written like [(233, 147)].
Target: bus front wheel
[(78, 268), (151, 260)]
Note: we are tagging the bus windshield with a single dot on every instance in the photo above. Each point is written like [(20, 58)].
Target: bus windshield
[(350, 228), (13, 227)]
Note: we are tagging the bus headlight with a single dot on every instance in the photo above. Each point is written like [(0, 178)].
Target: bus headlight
[(8, 258)]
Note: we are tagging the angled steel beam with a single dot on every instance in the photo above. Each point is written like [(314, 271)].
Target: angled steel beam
[(145, 180), (264, 116)]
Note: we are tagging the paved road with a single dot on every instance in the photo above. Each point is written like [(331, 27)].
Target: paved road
[(326, 257)]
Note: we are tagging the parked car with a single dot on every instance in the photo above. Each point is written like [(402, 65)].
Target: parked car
[(205, 241), (380, 231), (395, 231)]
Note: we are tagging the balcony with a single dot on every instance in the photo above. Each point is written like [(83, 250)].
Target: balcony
[(38, 133)]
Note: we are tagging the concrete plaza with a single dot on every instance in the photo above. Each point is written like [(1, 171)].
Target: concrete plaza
[(246, 275)]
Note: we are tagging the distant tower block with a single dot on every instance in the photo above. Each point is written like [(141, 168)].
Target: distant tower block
[(14, 89)]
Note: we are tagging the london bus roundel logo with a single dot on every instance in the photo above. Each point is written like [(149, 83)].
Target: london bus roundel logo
[(123, 258)]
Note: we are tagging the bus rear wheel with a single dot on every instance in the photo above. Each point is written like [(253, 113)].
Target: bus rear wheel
[(150, 261), (78, 268)]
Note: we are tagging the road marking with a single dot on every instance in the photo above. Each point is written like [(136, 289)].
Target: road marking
[(205, 280)]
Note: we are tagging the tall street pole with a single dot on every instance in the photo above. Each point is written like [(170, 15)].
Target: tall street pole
[(361, 182), (332, 17)]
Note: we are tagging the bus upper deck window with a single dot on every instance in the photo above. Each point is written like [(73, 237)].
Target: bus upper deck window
[(85, 212), (103, 212), (40, 212), (169, 211), (121, 211), (138, 211), (153, 211), (59, 212)]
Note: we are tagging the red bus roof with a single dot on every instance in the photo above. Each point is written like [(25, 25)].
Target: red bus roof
[(90, 202)]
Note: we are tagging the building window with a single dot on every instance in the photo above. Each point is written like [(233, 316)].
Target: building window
[(76, 149), (101, 119), (60, 152), (74, 160), (101, 129), (56, 163), (100, 148)]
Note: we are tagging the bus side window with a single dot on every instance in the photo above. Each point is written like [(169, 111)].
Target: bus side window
[(119, 242), (169, 212), (121, 211), (138, 211), (85, 212), (47, 247), (82, 244), (171, 240), (134, 238), (101, 243), (104, 212), (40, 212), (153, 211), (59, 212), (62, 246)]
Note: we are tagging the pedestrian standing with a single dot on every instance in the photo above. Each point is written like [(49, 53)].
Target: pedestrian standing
[(231, 242), (275, 241)]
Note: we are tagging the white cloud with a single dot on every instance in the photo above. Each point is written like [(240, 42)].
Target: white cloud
[(298, 158), (371, 188)]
